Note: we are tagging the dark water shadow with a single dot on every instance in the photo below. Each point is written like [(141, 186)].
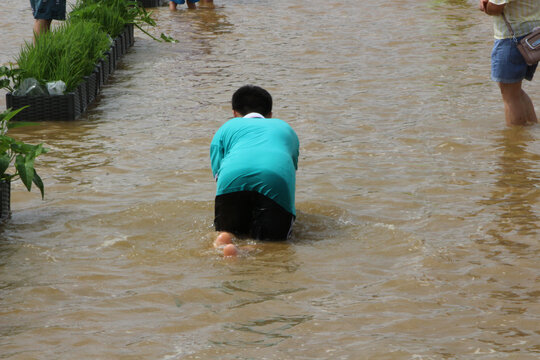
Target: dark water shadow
[(316, 221), (516, 191)]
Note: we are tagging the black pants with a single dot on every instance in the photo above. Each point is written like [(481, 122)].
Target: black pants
[(250, 214)]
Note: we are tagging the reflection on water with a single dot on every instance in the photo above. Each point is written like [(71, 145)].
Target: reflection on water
[(517, 191), (417, 227)]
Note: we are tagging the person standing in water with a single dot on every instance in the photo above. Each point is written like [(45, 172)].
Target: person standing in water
[(191, 4), (254, 159), (508, 68), (45, 11)]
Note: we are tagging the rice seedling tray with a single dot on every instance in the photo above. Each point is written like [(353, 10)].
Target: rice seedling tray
[(49, 107), (91, 87), (106, 66), (72, 105), (100, 68), (123, 43), (130, 30), (118, 47), (5, 200)]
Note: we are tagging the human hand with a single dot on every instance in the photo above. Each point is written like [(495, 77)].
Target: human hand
[(482, 4)]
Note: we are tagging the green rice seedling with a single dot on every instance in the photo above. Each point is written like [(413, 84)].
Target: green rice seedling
[(68, 53), (121, 8), (38, 59), (111, 21), (128, 10)]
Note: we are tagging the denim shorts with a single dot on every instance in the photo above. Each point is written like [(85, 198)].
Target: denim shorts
[(180, 2), (507, 63), (49, 9)]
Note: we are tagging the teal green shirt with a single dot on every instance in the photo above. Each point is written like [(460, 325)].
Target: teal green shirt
[(256, 154)]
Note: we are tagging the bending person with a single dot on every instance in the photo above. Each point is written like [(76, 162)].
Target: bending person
[(254, 158)]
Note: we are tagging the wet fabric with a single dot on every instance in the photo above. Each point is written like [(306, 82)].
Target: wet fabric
[(250, 214), (523, 15), (507, 63), (256, 154), (180, 2)]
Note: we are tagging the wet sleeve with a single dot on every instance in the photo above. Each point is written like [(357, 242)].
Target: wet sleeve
[(296, 151), (216, 154)]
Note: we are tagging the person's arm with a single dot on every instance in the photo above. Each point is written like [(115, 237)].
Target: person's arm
[(490, 8), (216, 154), (296, 153), (482, 5), (493, 9)]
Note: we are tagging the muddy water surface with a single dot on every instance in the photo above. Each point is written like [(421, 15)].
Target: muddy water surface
[(418, 209)]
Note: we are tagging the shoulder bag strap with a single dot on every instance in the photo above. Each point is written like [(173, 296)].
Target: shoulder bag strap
[(509, 28)]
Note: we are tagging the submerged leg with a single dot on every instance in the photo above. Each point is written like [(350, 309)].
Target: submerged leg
[(209, 4), (518, 107), (41, 26)]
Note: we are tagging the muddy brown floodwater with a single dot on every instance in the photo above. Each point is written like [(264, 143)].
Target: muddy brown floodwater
[(418, 209)]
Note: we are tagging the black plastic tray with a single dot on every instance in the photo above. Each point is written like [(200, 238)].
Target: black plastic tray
[(72, 105)]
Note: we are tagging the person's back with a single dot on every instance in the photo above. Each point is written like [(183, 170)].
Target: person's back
[(258, 155), (254, 158)]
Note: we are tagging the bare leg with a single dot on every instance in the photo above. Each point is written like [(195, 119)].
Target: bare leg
[(528, 104), (191, 5), (41, 26), (518, 107), (172, 5)]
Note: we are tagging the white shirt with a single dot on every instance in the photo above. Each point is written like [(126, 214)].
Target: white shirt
[(253, 115)]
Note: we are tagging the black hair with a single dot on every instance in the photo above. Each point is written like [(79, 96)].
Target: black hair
[(251, 98)]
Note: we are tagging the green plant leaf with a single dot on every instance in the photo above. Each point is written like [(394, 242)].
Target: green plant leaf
[(11, 75), (4, 84), (37, 181), (9, 114), (16, 147), (24, 155), (39, 149), (167, 38), (5, 143), (25, 170), (4, 163)]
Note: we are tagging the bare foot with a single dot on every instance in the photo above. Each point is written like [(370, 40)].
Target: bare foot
[(223, 238), (230, 250), (224, 241)]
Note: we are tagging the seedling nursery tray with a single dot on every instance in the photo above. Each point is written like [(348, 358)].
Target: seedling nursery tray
[(72, 105)]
